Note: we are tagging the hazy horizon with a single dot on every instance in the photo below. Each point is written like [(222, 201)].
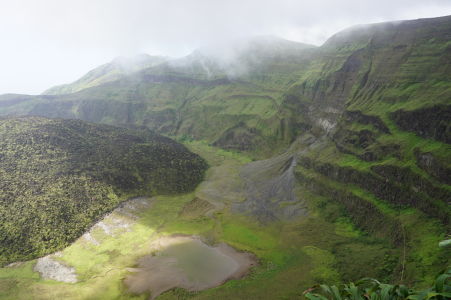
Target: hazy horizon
[(47, 43)]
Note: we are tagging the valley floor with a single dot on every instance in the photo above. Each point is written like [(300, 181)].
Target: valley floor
[(292, 255)]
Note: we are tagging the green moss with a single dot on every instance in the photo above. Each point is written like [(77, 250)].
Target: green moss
[(345, 227), (20, 270), (324, 262), (199, 226), (246, 235)]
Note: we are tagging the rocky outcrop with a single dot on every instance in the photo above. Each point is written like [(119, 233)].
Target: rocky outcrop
[(430, 122), (240, 137), (362, 212), (359, 117), (433, 166), (396, 193)]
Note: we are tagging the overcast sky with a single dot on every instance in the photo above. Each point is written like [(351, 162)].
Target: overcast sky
[(49, 42)]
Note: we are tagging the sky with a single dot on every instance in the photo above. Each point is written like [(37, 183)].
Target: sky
[(48, 42)]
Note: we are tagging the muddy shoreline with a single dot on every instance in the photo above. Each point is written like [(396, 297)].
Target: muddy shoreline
[(187, 262)]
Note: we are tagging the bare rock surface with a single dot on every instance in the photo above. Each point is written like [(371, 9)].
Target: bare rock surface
[(50, 268), (269, 189), (119, 220)]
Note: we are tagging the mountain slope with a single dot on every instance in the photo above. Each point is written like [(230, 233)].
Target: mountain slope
[(377, 133), (367, 116), (59, 176), (112, 71), (203, 95)]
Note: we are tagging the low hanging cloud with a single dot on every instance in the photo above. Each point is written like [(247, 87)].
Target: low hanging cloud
[(48, 42)]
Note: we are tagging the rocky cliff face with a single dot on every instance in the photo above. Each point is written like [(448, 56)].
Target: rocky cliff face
[(382, 123)]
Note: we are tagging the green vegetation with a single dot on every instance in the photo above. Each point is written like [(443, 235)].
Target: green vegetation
[(363, 122), (372, 289), (59, 176), (292, 255)]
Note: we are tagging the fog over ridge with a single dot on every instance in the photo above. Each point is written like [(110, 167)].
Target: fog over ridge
[(50, 42)]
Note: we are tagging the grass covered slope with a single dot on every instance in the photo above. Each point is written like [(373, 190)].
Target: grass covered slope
[(57, 177), (377, 144)]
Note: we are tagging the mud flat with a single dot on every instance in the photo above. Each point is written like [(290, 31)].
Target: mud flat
[(187, 262)]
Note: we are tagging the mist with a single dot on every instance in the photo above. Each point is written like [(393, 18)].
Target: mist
[(50, 42)]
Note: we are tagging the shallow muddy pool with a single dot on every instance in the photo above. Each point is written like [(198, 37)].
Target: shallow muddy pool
[(188, 263)]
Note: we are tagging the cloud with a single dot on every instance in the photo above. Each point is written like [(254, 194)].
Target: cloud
[(49, 42)]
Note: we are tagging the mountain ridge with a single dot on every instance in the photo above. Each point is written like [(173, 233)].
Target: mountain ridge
[(117, 68)]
